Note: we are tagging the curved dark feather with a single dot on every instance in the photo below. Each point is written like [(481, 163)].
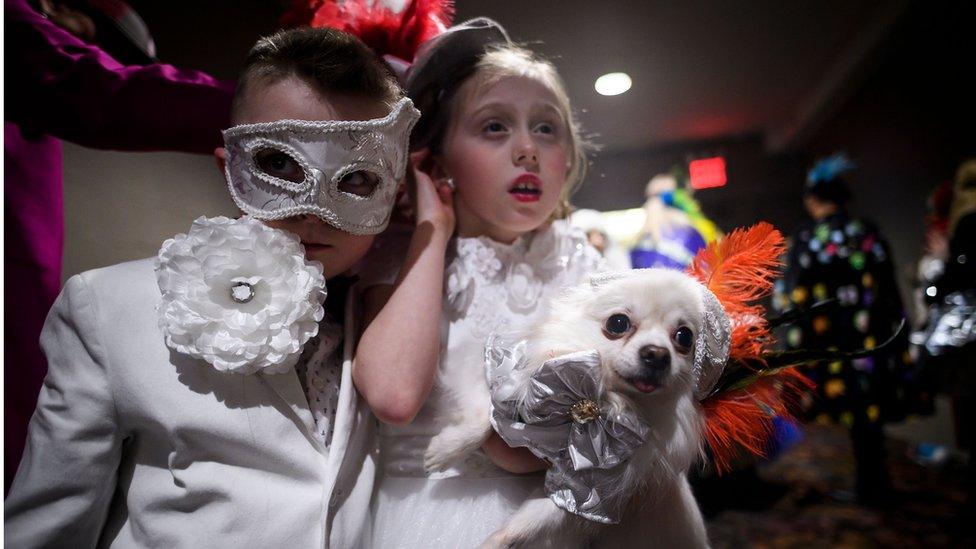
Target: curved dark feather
[(743, 373), (793, 315)]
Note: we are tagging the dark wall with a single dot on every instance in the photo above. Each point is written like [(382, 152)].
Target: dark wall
[(910, 124), (212, 36)]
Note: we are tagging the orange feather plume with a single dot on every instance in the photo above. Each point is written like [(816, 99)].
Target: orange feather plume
[(740, 271), (741, 420)]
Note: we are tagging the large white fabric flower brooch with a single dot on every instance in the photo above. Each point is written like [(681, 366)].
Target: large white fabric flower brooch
[(239, 295)]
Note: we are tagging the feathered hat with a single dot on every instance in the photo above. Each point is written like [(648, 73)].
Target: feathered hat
[(758, 383), (395, 35)]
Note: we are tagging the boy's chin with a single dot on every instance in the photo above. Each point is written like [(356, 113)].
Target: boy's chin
[(332, 263), (339, 257)]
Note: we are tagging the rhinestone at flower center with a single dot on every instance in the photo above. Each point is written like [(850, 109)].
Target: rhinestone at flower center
[(584, 411), (242, 292)]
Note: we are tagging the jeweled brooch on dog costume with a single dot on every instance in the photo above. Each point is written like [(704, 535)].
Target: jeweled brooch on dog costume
[(562, 420)]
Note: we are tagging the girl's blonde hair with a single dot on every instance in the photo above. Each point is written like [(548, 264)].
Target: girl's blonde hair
[(508, 60)]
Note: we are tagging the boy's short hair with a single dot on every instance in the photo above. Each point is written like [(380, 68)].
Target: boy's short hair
[(328, 60)]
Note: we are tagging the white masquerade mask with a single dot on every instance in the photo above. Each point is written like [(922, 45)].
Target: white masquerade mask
[(345, 172)]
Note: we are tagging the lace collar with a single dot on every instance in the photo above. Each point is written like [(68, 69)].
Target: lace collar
[(552, 255)]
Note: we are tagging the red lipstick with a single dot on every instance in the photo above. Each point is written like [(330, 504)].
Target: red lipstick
[(526, 188)]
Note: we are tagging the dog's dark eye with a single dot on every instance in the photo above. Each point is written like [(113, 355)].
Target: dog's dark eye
[(617, 325), (683, 338)]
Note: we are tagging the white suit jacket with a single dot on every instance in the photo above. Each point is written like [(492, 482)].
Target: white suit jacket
[(133, 445)]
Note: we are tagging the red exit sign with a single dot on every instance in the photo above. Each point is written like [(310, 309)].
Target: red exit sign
[(707, 173)]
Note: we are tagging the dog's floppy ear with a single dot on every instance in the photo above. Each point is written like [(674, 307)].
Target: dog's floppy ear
[(712, 347)]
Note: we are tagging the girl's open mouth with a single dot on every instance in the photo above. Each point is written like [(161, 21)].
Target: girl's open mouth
[(526, 188)]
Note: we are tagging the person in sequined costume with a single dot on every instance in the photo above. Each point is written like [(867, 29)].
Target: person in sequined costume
[(837, 255)]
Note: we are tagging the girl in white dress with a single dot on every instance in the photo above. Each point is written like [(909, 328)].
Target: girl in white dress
[(498, 130)]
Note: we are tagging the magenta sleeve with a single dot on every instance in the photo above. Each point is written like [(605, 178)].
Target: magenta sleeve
[(59, 85)]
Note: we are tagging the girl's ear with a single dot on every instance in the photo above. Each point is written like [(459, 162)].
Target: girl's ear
[(436, 168)]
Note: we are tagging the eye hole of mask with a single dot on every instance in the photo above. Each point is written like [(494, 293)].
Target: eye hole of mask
[(359, 183), (279, 164)]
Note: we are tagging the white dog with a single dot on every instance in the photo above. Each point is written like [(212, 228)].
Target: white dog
[(662, 338)]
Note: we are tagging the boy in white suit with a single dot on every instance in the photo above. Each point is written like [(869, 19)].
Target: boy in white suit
[(150, 433)]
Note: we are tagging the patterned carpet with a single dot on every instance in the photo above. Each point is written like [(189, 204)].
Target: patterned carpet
[(805, 498)]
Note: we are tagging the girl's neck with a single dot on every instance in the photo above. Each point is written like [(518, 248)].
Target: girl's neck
[(471, 226)]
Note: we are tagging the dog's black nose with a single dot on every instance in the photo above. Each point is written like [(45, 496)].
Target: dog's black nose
[(654, 357)]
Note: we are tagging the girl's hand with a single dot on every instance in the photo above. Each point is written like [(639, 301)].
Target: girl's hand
[(433, 201)]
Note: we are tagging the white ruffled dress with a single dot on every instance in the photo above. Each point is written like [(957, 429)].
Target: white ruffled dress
[(490, 287)]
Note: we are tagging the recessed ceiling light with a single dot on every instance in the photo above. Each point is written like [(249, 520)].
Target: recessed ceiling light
[(614, 83)]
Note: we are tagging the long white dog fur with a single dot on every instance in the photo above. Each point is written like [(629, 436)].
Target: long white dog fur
[(645, 363)]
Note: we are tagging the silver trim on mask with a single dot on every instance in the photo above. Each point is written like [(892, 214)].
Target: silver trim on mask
[(326, 151)]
